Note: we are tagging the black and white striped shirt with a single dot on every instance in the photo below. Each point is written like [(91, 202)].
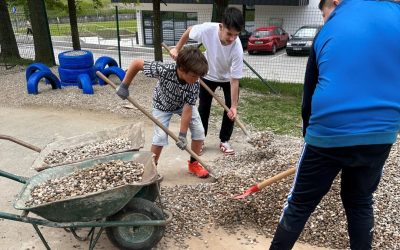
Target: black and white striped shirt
[(170, 94)]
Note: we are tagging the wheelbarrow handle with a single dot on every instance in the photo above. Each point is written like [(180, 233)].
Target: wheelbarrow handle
[(22, 143), (239, 123), (14, 177), (165, 129)]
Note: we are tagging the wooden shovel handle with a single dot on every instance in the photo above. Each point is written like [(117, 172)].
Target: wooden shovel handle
[(165, 129), (276, 178), (22, 143), (239, 123)]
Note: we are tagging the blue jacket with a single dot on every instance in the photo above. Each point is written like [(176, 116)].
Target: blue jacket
[(356, 100)]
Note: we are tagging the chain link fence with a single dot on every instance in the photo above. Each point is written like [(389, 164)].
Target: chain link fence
[(275, 54)]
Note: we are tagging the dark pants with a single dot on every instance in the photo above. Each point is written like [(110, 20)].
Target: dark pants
[(361, 168), (205, 100)]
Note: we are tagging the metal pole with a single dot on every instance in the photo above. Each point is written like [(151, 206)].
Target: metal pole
[(118, 38), (262, 79)]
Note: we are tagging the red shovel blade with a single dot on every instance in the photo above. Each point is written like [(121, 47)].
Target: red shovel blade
[(248, 192)]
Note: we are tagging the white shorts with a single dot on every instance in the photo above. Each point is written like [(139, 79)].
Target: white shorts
[(160, 138)]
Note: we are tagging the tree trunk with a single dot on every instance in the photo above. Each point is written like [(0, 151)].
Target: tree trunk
[(41, 32), (157, 31), (74, 25), (219, 7), (8, 43)]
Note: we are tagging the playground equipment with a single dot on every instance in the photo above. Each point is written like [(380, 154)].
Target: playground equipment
[(77, 68), (35, 72), (108, 66)]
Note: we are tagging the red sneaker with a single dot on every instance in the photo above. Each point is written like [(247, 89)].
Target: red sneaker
[(197, 169)]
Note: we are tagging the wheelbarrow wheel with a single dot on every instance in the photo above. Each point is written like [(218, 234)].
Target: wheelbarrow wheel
[(141, 237)]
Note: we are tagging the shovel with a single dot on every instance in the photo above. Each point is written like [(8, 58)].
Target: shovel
[(22, 143), (238, 122), (265, 183), (165, 129)]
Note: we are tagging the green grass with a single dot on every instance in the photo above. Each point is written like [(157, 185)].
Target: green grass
[(278, 113), (93, 28), (84, 8)]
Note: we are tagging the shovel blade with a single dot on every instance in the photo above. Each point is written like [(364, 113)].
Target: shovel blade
[(246, 193)]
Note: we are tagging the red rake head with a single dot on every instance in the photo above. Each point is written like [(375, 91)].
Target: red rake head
[(246, 193)]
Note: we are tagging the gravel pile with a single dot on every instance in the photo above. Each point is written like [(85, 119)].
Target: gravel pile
[(196, 207), (86, 151), (102, 176)]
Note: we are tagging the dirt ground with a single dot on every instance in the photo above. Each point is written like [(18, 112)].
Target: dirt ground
[(40, 126)]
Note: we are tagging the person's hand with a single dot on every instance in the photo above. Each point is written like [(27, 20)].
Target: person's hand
[(182, 142), (123, 91), (232, 113), (173, 53)]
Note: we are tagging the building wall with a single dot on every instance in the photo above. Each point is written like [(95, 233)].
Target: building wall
[(203, 11), (292, 16)]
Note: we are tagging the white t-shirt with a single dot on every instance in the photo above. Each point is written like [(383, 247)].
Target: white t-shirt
[(224, 62)]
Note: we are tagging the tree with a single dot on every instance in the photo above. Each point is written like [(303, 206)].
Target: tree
[(219, 7), (157, 31), (8, 43), (74, 25), (41, 33)]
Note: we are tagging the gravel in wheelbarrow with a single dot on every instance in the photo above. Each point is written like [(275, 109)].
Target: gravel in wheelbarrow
[(90, 145), (91, 206)]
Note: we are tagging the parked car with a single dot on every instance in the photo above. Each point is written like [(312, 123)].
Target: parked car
[(268, 39), (244, 37), (301, 42)]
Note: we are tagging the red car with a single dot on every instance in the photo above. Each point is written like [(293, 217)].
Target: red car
[(268, 39)]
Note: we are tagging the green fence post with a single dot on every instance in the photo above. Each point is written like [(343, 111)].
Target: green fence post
[(118, 38)]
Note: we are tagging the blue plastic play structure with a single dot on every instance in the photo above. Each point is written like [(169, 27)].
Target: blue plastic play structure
[(35, 72), (77, 68)]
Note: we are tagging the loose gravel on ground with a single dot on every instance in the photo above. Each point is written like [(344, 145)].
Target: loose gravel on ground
[(206, 205)]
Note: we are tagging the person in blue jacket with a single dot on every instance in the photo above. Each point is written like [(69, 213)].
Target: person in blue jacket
[(351, 116)]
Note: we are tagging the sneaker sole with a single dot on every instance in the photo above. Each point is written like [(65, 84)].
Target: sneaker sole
[(203, 176), (226, 153)]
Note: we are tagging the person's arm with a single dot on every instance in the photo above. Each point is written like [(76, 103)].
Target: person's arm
[(234, 98), (135, 66), (185, 120), (310, 83), (184, 38)]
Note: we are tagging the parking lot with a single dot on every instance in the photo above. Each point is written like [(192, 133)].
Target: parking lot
[(279, 67)]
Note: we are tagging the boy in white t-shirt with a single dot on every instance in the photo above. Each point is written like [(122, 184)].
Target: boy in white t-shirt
[(224, 54)]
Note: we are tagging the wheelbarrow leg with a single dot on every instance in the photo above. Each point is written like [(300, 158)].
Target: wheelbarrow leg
[(41, 236), (94, 242)]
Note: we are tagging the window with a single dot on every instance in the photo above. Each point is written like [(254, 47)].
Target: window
[(173, 24)]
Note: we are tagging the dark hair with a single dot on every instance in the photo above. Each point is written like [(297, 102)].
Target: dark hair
[(190, 59), (233, 19), (322, 3)]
